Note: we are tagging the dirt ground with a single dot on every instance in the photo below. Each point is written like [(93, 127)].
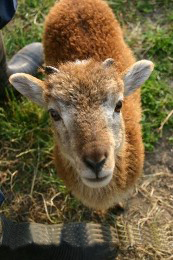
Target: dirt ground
[(149, 210), (152, 203)]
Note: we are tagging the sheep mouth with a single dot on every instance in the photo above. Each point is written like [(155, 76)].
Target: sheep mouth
[(97, 179), (97, 182)]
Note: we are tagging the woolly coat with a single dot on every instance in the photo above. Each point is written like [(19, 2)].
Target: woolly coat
[(82, 29)]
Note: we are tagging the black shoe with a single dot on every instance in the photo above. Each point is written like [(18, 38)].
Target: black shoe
[(27, 60)]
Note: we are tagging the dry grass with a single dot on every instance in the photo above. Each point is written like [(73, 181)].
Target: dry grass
[(149, 213)]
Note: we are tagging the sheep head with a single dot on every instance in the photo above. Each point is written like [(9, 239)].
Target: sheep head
[(84, 99)]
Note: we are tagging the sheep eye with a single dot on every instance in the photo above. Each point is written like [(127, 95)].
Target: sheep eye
[(54, 115), (118, 106)]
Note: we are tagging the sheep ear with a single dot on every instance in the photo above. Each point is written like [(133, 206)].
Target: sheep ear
[(136, 75), (29, 86)]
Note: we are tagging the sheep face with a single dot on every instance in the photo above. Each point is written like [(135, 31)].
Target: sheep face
[(85, 102), (90, 137)]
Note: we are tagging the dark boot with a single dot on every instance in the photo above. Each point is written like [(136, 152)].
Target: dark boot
[(27, 60)]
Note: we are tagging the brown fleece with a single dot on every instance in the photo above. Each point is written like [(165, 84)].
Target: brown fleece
[(82, 29)]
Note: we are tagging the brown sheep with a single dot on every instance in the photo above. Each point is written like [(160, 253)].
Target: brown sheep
[(91, 91)]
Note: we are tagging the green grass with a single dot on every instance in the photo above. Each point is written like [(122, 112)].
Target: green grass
[(26, 143), (148, 31)]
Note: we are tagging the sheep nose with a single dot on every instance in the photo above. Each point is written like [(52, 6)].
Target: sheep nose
[(95, 161), (95, 166)]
